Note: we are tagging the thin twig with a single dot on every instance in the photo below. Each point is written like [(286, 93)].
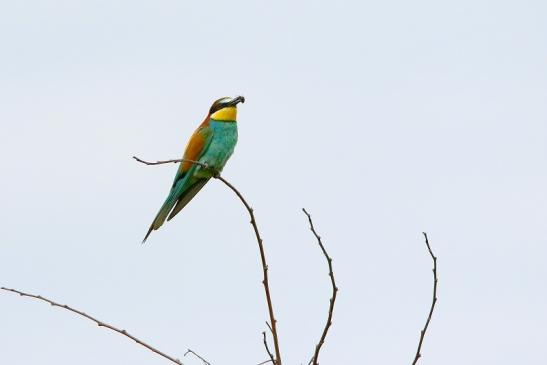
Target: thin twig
[(270, 327), (334, 291), (433, 302), (265, 281), (267, 348), (265, 362), (170, 161), (98, 322), (196, 355)]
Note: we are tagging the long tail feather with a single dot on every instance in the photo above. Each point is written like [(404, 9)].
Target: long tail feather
[(162, 214)]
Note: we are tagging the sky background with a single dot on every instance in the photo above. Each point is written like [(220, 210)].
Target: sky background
[(383, 119)]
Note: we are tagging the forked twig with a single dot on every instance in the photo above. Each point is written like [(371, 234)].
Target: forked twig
[(267, 348), (265, 281), (334, 291), (433, 302), (196, 355), (98, 322)]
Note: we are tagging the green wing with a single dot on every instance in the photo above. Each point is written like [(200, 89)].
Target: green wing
[(185, 185)]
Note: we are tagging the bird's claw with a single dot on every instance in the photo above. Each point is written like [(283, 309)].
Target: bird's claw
[(214, 172)]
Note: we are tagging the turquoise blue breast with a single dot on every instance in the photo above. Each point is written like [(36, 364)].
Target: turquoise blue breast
[(222, 144)]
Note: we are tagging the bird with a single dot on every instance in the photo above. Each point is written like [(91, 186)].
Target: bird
[(211, 145)]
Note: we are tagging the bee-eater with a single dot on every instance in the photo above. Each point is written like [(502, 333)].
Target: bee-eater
[(211, 145)]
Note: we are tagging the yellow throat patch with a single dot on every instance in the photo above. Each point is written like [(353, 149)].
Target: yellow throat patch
[(225, 114)]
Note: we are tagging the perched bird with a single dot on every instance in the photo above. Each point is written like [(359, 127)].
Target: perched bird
[(212, 144)]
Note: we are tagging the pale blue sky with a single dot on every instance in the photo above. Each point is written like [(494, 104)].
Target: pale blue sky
[(384, 119)]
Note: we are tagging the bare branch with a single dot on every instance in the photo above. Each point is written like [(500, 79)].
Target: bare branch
[(433, 302), (334, 291), (196, 355), (267, 348), (259, 240), (170, 161), (98, 322), (265, 281)]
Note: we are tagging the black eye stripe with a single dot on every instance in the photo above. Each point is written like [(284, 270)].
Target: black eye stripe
[(216, 107)]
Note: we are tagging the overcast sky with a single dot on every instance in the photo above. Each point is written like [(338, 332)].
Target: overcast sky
[(384, 119)]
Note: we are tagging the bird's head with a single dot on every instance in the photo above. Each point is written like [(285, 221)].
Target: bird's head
[(225, 109)]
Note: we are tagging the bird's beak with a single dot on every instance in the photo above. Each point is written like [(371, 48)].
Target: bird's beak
[(236, 100)]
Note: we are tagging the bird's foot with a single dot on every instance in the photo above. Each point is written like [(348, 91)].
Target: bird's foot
[(214, 172)]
